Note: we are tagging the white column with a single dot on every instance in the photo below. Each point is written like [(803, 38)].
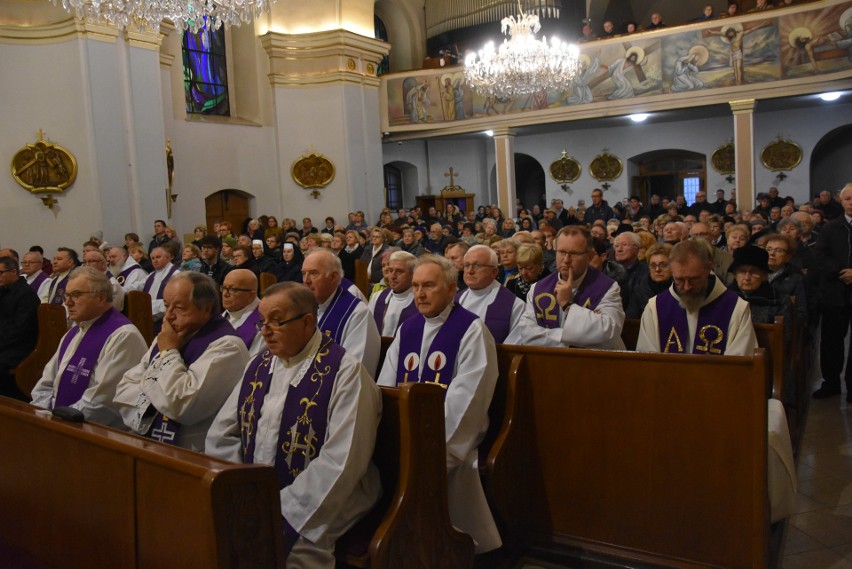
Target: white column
[(504, 147), (744, 151)]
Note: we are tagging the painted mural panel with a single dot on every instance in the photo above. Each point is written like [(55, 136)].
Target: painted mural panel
[(816, 42), (726, 55)]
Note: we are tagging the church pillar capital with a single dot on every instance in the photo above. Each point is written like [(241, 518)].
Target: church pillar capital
[(333, 56)]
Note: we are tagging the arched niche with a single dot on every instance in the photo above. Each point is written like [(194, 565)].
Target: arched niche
[(529, 182), (231, 205), (830, 167), (668, 172), (408, 182)]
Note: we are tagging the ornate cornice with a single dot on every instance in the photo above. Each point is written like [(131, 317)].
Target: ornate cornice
[(57, 32)]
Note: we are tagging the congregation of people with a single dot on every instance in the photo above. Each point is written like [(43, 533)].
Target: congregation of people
[(289, 376)]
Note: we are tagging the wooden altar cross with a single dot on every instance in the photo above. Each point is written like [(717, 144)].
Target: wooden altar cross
[(452, 173)]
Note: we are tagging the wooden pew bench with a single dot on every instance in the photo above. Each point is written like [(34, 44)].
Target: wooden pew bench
[(137, 305), (52, 325), (87, 496), (649, 458)]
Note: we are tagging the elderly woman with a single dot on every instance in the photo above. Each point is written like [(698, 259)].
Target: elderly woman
[(786, 279), (751, 271), (507, 252), (531, 268), (254, 230), (737, 236), (191, 260), (372, 254), (489, 232), (141, 257), (263, 263), (508, 228), (290, 267), (410, 244), (659, 279)]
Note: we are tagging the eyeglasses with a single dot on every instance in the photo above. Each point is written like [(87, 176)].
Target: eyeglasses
[(234, 290), (658, 266), (275, 326), (477, 266), (772, 250), (76, 294)]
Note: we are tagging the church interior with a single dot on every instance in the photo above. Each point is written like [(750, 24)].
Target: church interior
[(167, 124)]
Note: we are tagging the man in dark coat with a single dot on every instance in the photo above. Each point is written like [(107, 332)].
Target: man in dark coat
[(18, 324)]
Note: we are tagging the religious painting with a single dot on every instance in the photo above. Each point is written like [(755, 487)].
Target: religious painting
[(627, 70), (685, 57), (581, 91), (741, 53), (815, 42)]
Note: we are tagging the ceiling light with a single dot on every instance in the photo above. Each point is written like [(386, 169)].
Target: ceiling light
[(832, 96), (489, 133), (639, 117)]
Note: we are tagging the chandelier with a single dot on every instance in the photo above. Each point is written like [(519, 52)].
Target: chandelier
[(147, 14), (522, 65)]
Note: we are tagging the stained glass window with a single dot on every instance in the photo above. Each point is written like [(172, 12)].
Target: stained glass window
[(381, 33), (205, 73)]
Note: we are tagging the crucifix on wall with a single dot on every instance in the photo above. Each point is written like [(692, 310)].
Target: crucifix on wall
[(451, 174)]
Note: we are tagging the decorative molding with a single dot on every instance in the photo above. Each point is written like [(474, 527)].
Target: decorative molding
[(320, 58), (144, 40), (57, 32)]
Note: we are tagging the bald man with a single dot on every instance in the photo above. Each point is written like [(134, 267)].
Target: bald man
[(342, 316), (239, 299)]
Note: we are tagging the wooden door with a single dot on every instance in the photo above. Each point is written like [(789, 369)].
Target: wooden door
[(227, 205)]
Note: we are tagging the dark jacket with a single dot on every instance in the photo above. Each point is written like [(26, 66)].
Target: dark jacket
[(18, 323), (833, 255), (217, 272), (348, 261), (594, 213), (788, 282), (636, 273), (376, 267), (766, 305), (643, 291)]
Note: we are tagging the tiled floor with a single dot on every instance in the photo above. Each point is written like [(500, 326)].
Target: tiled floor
[(819, 535)]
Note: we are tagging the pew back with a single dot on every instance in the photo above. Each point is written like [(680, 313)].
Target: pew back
[(265, 281), (362, 277), (52, 325), (656, 458), (89, 496), (138, 306)]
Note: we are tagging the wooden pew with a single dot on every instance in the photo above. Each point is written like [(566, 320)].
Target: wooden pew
[(362, 277), (646, 458), (52, 325), (138, 307), (410, 526), (266, 280), (771, 338), (630, 333), (87, 496)]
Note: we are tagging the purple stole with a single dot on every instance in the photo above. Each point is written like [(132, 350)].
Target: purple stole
[(339, 310), (381, 308), (38, 280), (442, 353), (164, 429), (304, 421), (149, 282), (122, 276), (58, 291), (498, 315), (75, 379), (710, 333), (589, 295), (247, 330)]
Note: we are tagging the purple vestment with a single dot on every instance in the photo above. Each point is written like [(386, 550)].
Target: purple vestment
[(122, 276), (498, 315), (441, 354), (247, 330), (710, 333), (590, 293), (334, 319), (75, 379), (164, 429), (304, 421), (36, 284), (58, 290), (149, 282), (382, 307)]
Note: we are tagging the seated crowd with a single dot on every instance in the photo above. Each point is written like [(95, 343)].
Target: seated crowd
[(289, 376)]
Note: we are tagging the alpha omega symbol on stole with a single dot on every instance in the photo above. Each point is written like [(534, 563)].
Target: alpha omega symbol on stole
[(411, 363), (710, 343), (436, 362), (673, 339), (545, 303)]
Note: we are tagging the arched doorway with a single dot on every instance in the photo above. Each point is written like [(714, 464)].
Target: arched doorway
[(227, 205), (830, 165), (529, 181), (670, 172)]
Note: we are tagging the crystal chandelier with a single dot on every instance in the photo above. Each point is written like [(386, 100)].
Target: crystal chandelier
[(147, 14), (522, 65)]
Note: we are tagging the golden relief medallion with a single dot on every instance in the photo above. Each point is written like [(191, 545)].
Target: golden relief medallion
[(781, 154), (566, 169), (44, 167), (723, 159), (605, 167)]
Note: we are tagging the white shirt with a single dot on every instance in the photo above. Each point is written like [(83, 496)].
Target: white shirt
[(237, 317), (360, 336), (599, 328), (395, 304), (340, 484), (189, 395), (465, 422), (121, 351), (136, 279), (158, 305), (46, 290), (478, 301), (34, 276), (117, 292)]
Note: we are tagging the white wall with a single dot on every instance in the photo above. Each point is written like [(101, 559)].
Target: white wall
[(476, 158)]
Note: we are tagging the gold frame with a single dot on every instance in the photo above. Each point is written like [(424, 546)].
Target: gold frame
[(606, 167), (565, 170), (44, 167), (724, 159), (312, 171), (781, 154)]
